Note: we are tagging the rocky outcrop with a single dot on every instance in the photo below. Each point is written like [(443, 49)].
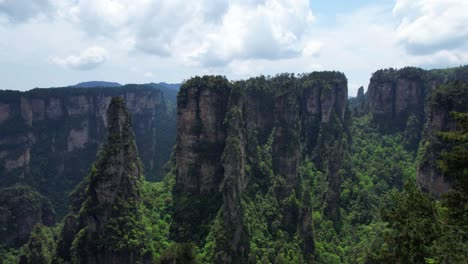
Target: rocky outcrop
[(237, 141), (285, 147), (358, 104), (4, 112), (21, 208), (393, 95), (360, 94), (446, 99), (201, 109), (234, 248), (107, 223), (66, 237), (417, 104), (49, 137)]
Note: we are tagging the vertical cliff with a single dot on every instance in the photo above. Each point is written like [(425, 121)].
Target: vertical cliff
[(358, 104), (394, 95), (327, 136), (21, 208), (233, 247), (445, 100), (201, 108), (201, 133), (417, 104), (107, 227), (49, 137), (398, 99), (241, 144)]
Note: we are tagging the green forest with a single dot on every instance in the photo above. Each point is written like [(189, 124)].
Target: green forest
[(306, 178)]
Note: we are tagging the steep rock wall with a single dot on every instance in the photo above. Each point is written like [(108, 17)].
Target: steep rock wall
[(21, 208), (286, 116), (49, 137), (106, 228), (201, 133), (398, 98), (417, 104), (394, 95), (446, 99)]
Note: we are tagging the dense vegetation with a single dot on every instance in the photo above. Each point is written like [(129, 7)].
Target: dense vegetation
[(367, 210), (20, 208)]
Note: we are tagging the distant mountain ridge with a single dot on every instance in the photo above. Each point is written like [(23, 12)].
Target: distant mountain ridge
[(96, 84), (175, 86), (90, 84)]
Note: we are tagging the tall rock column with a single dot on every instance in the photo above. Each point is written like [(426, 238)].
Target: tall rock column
[(201, 109), (108, 219), (394, 96), (286, 136), (233, 246), (324, 122)]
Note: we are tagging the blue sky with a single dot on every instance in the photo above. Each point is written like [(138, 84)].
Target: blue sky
[(329, 9), (51, 43)]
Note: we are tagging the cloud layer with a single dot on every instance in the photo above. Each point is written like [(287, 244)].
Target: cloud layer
[(18, 11), (433, 27), (176, 39), (88, 59), (206, 33)]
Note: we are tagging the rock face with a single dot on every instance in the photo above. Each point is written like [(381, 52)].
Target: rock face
[(201, 134), (110, 209), (398, 99), (410, 99), (21, 209), (358, 104), (393, 95), (49, 137), (222, 129), (446, 99)]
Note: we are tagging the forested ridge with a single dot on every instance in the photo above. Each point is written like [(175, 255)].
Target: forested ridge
[(279, 169)]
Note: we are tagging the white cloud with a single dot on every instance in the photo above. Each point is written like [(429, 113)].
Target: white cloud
[(312, 48), (269, 30), (359, 43), (18, 11), (148, 75), (431, 26), (177, 39), (203, 33), (88, 59)]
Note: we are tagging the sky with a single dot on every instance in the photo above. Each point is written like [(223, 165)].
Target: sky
[(53, 43)]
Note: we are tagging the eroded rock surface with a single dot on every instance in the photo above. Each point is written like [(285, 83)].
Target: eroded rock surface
[(21, 208), (49, 137)]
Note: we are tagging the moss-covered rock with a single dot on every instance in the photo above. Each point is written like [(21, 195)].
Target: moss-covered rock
[(49, 137), (108, 226), (21, 208)]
